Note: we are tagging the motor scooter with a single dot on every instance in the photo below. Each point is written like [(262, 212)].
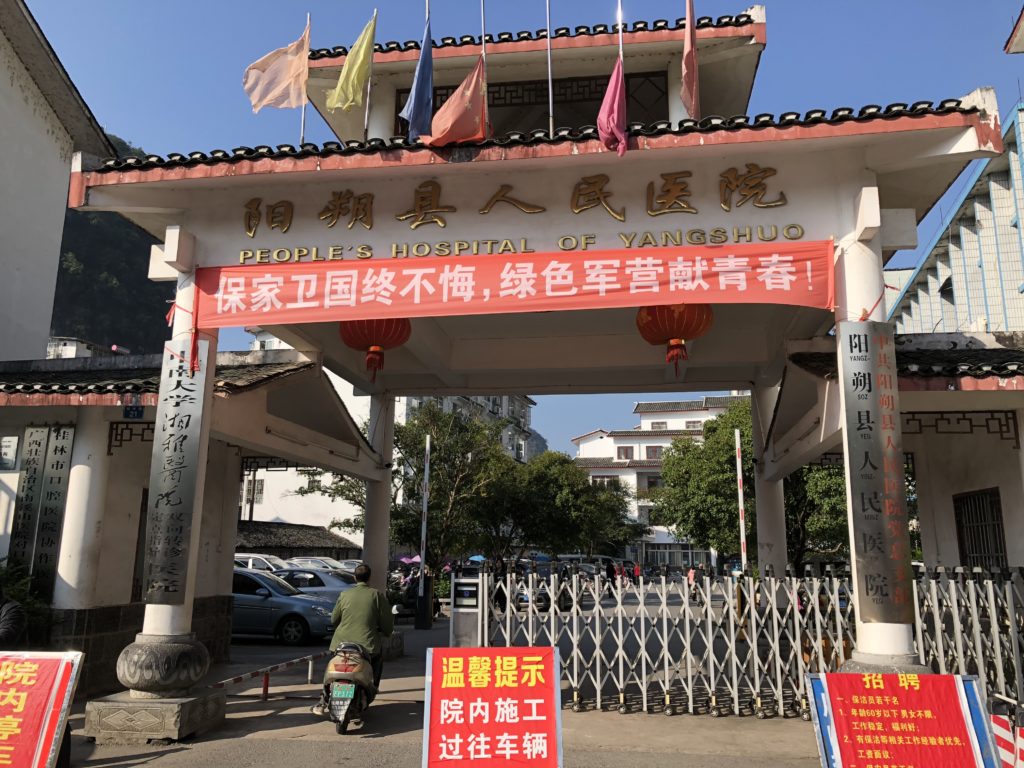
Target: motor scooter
[(348, 685)]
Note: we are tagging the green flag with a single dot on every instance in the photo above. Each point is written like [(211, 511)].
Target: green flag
[(351, 88)]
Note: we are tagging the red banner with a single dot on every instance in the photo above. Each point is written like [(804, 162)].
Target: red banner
[(492, 706), (319, 291), (900, 720), (36, 690)]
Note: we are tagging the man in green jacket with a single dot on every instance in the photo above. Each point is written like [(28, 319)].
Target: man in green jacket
[(363, 615)]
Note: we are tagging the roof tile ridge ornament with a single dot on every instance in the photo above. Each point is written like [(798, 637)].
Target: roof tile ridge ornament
[(981, 101), (753, 15)]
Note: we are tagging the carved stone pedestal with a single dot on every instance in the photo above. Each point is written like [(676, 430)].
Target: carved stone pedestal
[(126, 719), (159, 671)]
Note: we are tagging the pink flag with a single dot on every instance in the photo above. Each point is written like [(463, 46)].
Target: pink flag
[(611, 120), (279, 78), (690, 90), (464, 116)]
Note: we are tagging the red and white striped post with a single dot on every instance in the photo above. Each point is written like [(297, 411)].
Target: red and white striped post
[(739, 493)]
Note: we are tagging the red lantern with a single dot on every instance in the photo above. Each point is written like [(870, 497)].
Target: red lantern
[(373, 337), (673, 325)]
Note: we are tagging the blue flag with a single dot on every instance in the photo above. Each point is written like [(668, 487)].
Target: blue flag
[(419, 109)]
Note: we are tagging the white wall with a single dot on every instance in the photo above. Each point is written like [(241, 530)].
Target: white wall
[(281, 503), (34, 168), (219, 521), (952, 464)]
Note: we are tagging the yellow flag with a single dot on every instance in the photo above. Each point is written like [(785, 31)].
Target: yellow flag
[(351, 88)]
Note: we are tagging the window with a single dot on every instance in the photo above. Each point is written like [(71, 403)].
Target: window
[(523, 105), (695, 424), (655, 452), (245, 585), (603, 480), (658, 426), (625, 453), (254, 491), (303, 579), (979, 529)]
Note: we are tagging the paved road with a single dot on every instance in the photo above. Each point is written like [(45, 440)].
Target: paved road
[(282, 732)]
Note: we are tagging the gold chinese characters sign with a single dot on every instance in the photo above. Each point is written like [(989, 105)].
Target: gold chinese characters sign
[(668, 197)]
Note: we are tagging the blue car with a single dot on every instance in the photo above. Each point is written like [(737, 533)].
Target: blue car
[(265, 605)]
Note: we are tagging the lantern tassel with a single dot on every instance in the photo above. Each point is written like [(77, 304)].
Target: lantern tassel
[(374, 361), (675, 352)]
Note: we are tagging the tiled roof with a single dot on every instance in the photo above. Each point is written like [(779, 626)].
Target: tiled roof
[(670, 406), (140, 380), (255, 536), (711, 124), (589, 462), (703, 22), (656, 433), (978, 363)]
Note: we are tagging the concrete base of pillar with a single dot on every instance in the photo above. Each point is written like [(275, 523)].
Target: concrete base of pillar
[(393, 647), (864, 663), (124, 719)]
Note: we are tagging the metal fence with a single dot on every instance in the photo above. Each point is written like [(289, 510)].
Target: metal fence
[(741, 645)]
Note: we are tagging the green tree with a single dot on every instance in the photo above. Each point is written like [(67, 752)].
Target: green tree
[(698, 499), (816, 514)]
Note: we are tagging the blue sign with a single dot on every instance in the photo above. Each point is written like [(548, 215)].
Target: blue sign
[(134, 411)]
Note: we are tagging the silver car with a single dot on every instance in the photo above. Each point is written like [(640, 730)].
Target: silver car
[(317, 582), (267, 606), (259, 562), (327, 563)]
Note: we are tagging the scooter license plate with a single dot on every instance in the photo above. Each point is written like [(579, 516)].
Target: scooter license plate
[(343, 691)]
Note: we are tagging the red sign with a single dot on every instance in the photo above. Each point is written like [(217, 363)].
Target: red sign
[(320, 290), (900, 721), (36, 690), (492, 706)]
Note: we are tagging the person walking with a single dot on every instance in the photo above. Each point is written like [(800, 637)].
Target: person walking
[(609, 575), (636, 574)]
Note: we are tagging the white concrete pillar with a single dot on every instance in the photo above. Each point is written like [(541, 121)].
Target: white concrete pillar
[(377, 528), (82, 535), (859, 286), (769, 495), (177, 619)]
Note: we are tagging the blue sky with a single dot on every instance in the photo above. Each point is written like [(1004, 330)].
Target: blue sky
[(167, 76)]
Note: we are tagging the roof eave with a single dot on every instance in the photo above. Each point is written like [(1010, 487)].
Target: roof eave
[(53, 81), (378, 154)]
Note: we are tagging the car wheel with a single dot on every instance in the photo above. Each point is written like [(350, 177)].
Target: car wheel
[(293, 630)]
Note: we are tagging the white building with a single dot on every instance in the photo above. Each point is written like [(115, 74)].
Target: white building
[(633, 458), (270, 491), (43, 120)]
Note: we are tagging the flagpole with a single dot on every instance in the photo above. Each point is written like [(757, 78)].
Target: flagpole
[(369, 87), (551, 89), (483, 34), (305, 99), (620, 29)]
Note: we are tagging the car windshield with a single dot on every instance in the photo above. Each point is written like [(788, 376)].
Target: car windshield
[(277, 562), (330, 562), (277, 584)]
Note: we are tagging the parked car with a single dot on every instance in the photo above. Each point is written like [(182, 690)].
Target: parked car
[(267, 606), (259, 562), (318, 582), (326, 563)]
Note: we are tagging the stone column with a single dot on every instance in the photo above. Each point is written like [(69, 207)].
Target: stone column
[(377, 529), (82, 536), (769, 494), (166, 660), (860, 296)]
